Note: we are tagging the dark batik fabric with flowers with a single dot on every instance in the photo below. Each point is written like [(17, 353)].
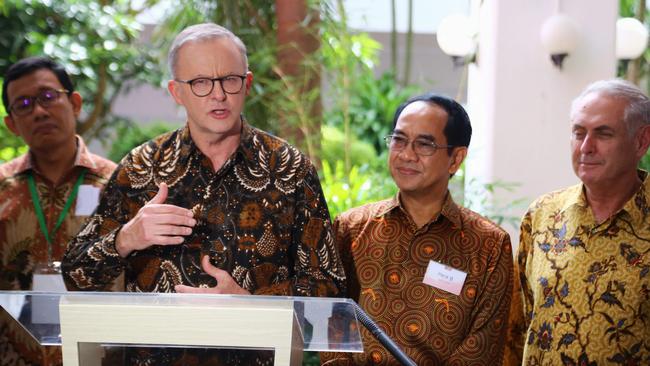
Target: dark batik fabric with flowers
[(583, 292), (262, 217)]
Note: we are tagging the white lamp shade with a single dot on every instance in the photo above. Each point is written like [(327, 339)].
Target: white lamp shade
[(631, 38), (456, 35), (559, 34)]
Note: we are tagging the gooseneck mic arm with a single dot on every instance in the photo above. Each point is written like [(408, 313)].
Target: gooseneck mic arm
[(382, 337)]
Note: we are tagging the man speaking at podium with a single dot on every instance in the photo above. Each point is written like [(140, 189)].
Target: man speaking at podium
[(436, 277), (217, 206)]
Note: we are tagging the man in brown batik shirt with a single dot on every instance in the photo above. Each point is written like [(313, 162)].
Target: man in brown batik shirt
[(436, 277), (35, 225), (217, 206)]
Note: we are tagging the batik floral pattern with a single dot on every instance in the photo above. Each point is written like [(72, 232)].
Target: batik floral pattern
[(584, 287)]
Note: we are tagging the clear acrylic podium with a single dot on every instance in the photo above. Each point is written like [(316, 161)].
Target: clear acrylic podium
[(87, 324)]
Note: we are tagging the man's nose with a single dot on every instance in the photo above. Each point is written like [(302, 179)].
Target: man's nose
[(38, 110), (588, 145), (217, 92), (408, 153)]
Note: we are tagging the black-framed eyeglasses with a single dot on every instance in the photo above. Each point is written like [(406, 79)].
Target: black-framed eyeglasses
[(45, 98), (420, 146), (201, 87)]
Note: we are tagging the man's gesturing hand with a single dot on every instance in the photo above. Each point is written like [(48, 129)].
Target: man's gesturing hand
[(156, 223), (225, 283)]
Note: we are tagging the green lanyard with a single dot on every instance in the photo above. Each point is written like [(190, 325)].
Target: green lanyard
[(39, 209)]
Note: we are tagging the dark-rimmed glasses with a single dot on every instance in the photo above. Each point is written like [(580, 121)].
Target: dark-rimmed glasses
[(201, 87), (420, 146), (45, 98)]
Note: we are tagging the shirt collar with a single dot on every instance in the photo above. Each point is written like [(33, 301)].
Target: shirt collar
[(450, 209), (575, 197), (245, 153), (83, 158), (637, 206)]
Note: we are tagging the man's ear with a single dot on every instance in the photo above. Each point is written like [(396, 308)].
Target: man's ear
[(172, 86), (457, 157), (77, 102), (249, 81), (642, 141), (11, 125)]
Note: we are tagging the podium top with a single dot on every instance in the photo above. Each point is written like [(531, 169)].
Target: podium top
[(326, 324)]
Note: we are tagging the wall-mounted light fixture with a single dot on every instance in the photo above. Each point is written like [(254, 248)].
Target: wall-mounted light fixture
[(631, 38), (559, 36), (456, 37)]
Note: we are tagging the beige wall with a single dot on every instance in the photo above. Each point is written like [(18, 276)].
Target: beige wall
[(519, 102)]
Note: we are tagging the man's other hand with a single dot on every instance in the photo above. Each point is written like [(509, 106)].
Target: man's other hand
[(225, 283)]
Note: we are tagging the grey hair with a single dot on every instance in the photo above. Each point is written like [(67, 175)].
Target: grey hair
[(637, 111), (199, 33)]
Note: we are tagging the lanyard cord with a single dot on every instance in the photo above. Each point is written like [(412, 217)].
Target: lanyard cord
[(39, 210)]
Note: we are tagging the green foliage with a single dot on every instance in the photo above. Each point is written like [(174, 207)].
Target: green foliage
[(364, 103), (310, 359), (97, 44), (373, 102), (358, 187), (332, 146), (12, 146), (130, 135)]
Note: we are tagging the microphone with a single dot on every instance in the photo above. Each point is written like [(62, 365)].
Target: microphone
[(381, 336)]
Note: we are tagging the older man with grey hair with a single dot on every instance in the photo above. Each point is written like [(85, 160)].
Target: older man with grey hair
[(584, 254), (217, 206)]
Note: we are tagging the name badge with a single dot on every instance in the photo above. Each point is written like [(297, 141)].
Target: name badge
[(444, 277), (87, 200)]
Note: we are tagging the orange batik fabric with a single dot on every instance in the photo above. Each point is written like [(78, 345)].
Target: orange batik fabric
[(386, 256), (23, 244)]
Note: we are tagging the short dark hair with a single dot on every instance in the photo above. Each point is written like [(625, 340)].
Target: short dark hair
[(458, 129), (29, 65)]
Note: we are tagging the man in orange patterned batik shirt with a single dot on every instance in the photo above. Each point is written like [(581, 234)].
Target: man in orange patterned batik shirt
[(435, 276), (584, 256), (45, 195)]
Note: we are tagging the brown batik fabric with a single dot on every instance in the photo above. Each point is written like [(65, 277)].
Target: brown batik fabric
[(583, 288), (386, 256), (23, 245), (262, 217)]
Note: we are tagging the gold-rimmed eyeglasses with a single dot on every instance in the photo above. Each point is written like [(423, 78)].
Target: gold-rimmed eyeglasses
[(420, 146)]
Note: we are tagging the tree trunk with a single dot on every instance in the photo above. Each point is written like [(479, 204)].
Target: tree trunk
[(298, 40)]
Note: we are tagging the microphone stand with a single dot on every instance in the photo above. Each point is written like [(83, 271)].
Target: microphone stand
[(382, 337)]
